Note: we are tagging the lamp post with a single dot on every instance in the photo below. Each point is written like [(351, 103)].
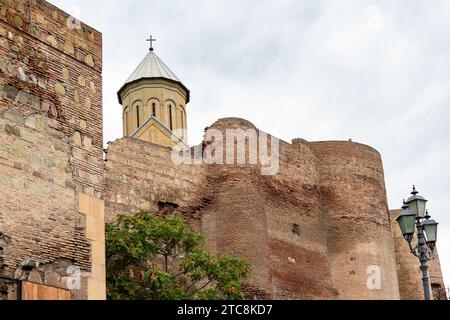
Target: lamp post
[(414, 212)]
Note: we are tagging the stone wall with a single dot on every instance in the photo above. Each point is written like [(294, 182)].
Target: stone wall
[(312, 231), (50, 141)]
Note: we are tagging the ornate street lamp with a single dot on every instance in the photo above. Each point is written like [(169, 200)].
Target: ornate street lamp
[(406, 221), (417, 204), (414, 212)]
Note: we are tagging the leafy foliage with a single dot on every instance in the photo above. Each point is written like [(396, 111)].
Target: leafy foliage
[(160, 258)]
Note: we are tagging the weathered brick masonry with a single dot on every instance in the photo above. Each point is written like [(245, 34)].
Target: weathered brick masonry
[(50, 139), (333, 192)]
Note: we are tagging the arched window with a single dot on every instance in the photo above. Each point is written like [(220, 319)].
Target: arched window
[(137, 116), (182, 119), (125, 122), (154, 109), (170, 117)]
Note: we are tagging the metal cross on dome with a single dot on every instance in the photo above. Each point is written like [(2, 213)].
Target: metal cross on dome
[(151, 42)]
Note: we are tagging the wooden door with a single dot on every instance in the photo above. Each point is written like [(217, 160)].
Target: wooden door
[(35, 291)]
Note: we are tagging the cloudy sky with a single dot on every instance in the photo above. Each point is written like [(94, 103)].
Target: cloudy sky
[(374, 71)]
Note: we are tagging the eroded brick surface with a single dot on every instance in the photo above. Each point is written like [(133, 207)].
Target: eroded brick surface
[(43, 166), (332, 192)]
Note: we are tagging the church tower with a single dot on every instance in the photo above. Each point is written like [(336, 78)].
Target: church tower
[(153, 103)]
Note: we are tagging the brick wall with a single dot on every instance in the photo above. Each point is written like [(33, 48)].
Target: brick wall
[(333, 192), (141, 175), (50, 138), (358, 226)]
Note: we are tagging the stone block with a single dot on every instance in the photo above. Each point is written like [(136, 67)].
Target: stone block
[(78, 154), (82, 81), (11, 92), (40, 19), (89, 60), (76, 96), (88, 102), (18, 22), (18, 166), (69, 184), (96, 289), (65, 74), (60, 90), (83, 124), (23, 97), (69, 48), (92, 86), (39, 175), (98, 271), (95, 229), (87, 142), (89, 191), (12, 130), (4, 44), (31, 122), (35, 102), (98, 252), (5, 180), (3, 12), (77, 139), (91, 206), (52, 41)]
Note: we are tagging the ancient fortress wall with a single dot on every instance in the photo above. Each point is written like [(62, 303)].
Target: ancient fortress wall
[(309, 232), (51, 159), (358, 226), (254, 217)]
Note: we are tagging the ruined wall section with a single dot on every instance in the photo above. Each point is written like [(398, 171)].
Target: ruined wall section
[(358, 225), (236, 220), (297, 240), (274, 222), (50, 139), (239, 211)]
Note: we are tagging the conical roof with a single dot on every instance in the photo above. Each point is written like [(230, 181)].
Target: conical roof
[(152, 67)]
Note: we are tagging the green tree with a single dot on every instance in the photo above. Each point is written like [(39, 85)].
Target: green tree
[(159, 258)]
